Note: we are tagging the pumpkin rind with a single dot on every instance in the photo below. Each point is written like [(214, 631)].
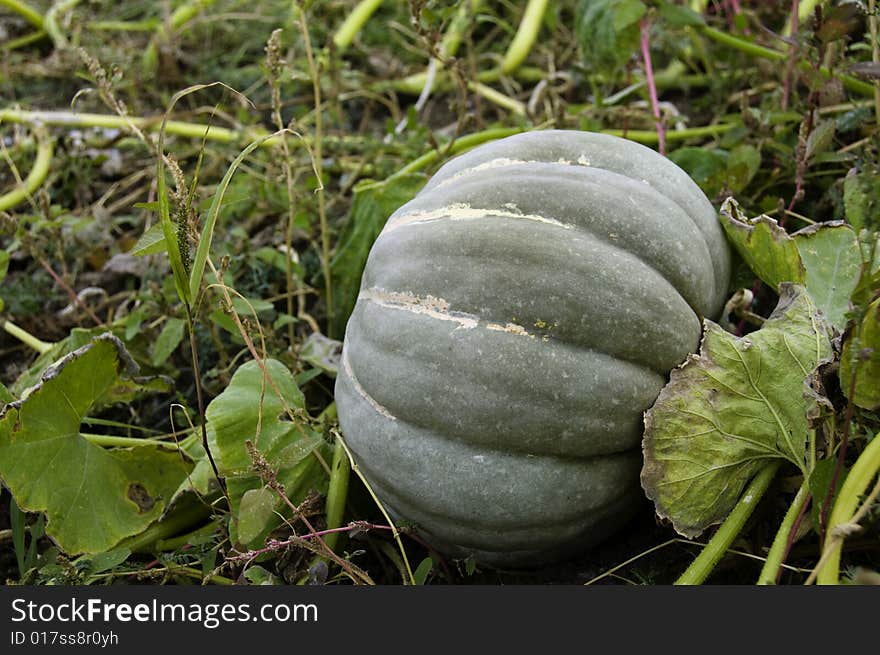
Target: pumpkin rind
[(515, 320)]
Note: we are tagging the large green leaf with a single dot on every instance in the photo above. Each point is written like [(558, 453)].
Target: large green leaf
[(861, 355), (832, 260), (727, 411), (250, 409), (373, 203), (825, 257), (766, 247), (92, 497)]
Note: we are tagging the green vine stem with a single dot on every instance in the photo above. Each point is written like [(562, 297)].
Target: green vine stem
[(38, 174), (713, 551), (24, 10), (50, 22), (773, 564), (26, 337), (525, 36), (111, 441), (152, 124), (755, 50), (181, 16), (409, 578), (459, 145), (337, 493), (185, 519), (354, 23), (413, 84), (844, 515)]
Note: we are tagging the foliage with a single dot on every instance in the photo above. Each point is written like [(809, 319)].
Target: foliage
[(232, 241)]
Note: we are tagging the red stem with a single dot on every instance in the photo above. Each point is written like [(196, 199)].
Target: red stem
[(645, 32), (71, 293)]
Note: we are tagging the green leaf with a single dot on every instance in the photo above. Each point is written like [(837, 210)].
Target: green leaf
[(168, 340), (708, 168), (820, 481), (420, 575), (832, 261), (820, 139), (5, 395), (608, 32), (764, 246), (743, 164), (284, 440), (373, 203), (679, 16), (92, 497), (201, 258), (861, 355), (256, 511), (151, 242), (727, 411)]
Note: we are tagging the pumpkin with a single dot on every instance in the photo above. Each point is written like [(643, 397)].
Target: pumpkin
[(515, 320)]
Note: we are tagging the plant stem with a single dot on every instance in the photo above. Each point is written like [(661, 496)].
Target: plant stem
[(496, 97), (648, 137), (181, 16), (778, 550), (865, 468), (50, 22), (153, 124), (713, 551), (26, 337), (413, 84), (38, 173), (525, 36), (875, 53), (743, 45), (24, 10), (337, 493), (459, 145), (112, 441), (354, 23), (354, 467), (318, 164), (173, 524), (25, 40), (645, 43)]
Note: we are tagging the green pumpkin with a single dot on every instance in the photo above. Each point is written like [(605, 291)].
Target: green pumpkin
[(515, 320)]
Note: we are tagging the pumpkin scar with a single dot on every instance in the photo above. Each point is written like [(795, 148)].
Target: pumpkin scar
[(464, 212), (346, 365), (501, 162), (437, 308), (427, 306)]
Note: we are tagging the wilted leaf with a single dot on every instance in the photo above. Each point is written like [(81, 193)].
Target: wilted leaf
[(92, 497), (321, 352), (832, 262), (373, 203), (730, 409), (861, 353), (767, 249), (284, 440)]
